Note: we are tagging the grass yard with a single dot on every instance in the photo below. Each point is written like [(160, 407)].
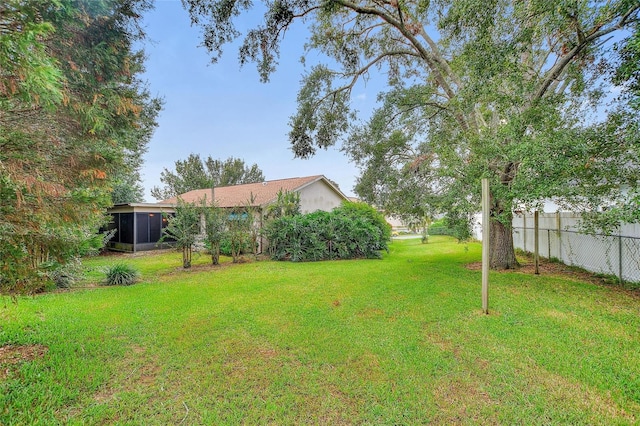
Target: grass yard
[(400, 340)]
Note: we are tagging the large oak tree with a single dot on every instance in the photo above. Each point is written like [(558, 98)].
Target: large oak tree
[(495, 89)]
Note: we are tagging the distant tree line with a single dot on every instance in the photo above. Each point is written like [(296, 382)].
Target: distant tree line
[(195, 173)]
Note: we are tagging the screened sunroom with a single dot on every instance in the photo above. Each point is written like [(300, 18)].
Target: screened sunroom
[(138, 226)]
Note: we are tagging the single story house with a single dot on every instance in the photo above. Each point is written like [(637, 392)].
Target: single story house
[(316, 193), (139, 225)]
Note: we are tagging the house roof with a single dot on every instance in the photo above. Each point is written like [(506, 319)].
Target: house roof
[(264, 193)]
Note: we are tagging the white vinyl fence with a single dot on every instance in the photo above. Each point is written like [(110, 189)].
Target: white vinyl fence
[(560, 237)]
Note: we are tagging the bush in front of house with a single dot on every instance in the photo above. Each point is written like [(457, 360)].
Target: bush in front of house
[(348, 232), (364, 212), (121, 274), (225, 246)]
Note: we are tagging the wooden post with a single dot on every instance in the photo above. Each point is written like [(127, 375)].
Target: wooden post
[(536, 247), (558, 233), (485, 245), (620, 259), (524, 231)]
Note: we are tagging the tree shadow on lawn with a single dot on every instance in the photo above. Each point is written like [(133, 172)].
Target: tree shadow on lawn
[(554, 268)]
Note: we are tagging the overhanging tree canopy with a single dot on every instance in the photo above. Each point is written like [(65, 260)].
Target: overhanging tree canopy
[(476, 89)]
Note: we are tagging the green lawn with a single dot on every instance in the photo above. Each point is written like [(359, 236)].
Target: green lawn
[(400, 340)]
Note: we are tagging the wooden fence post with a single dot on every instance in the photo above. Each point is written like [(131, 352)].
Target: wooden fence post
[(485, 245), (620, 259), (536, 247)]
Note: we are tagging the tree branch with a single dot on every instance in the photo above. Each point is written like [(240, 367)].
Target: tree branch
[(565, 60), (429, 57), (357, 74)]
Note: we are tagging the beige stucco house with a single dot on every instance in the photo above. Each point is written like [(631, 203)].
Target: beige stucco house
[(316, 193), (138, 226)]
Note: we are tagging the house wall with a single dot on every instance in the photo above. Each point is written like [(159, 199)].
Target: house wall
[(319, 196), (396, 223)]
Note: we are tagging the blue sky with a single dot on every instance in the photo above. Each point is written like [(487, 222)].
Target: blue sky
[(223, 110)]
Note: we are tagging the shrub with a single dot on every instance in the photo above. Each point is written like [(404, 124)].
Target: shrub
[(65, 276), (354, 231), (370, 215), (121, 274), (460, 225), (226, 247), (454, 225)]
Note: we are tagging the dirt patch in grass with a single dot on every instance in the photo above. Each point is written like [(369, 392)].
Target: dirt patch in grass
[(124, 254), (11, 355), (463, 400), (563, 392), (208, 267), (545, 268)]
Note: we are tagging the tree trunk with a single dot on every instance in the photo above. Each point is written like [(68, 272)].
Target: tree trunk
[(186, 257), (215, 254), (501, 252)]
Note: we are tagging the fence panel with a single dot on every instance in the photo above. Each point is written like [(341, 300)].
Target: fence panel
[(630, 249), (560, 238), (595, 253)]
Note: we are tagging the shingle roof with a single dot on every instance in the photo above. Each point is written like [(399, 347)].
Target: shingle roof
[(264, 193)]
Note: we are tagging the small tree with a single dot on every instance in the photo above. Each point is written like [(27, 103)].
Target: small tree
[(183, 229), (287, 204), (239, 226), (215, 223), (422, 224)]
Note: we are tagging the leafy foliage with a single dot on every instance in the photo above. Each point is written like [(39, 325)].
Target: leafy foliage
[(194, 173), (351, 231), (182, 228), (502, 90), (67, 274), (452, 225), (71, 112), (239, 226), (628, 72), (215, 222), (286, 204), (121, 274), (439, 227), (355, 210)]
